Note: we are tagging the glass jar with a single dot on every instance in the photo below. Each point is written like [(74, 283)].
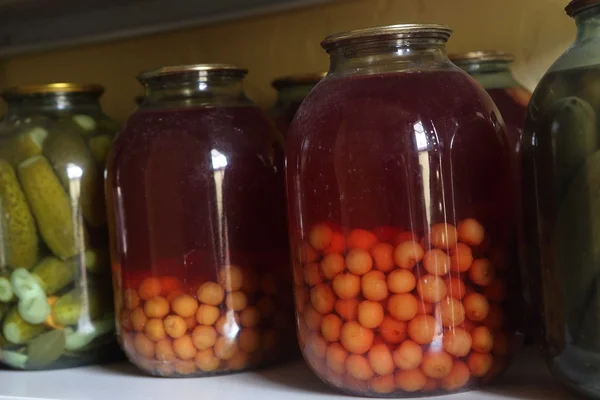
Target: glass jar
[(55, 285), (561, 157), (291, 91), (401, 224), (200, 255)]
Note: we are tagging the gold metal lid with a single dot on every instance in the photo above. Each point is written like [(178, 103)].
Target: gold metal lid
[(298, 79), (403, 31), (577, 6), (52, 89), (474, 57), (201, 69)]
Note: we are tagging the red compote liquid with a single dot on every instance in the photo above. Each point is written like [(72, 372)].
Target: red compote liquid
[(401, 220), (200, 252)]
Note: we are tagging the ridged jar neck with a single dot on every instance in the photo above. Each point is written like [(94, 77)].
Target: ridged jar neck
[(51, 103), (184, 86), (588, 23)]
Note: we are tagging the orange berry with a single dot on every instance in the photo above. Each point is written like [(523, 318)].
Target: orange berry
[(431, 385), (483, 340), (317, 345), (355, 338), (422, 329), (370, 314), (461, 257), (361, 239), (190, 322), (383, 384), (250, 317), (356, 386), (312, 274), (373, 286), (358, 367), (495, 318), (322, 298), (436, 364), (476, 306), (468, 325), (470, 232), (359, 262), (174, 326), (312, 318), (451, 312), (173, 294), (436, 262), (185, 367), (495, 291), (392, 331), (480, 363), (164, 351), (149, 288), (443, 236), (306, 254), (156, 307), (168, 284), (231, 278), (143, 346), (207, 315), (320, 236), (131, 300), (383, 256), (346, 285), (266, 307), (482, 272), (347, 309), (154, 329), (239, 361), (249, 340), (184, 305), (337, 245), (184, 347), (210, 293), (165, 369), (431, 288), (225, 348), (457, 378), (401, 281), (331, 265), (457, 342), (206, 361), (403, 306), (456, 287), (408, 355), (204, 337), (335, 358), (407, 254), (405, 236), (236, 301), (138, 319), (228, 324), (331, 325), (424, 306), (412, 380)]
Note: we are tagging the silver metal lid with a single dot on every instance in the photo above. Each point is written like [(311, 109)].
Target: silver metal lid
[(200, 69), (378, 33)]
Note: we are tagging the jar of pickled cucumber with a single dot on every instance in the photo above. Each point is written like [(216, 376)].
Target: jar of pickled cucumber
[(196, 196), (561, 175), (55, 286), (291, 91), (401, 219)]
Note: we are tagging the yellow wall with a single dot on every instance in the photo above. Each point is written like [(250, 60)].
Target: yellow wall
[(536, 31)]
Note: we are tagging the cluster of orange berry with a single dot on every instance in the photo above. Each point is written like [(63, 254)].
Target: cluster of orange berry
[(387, 311), (230, 324)]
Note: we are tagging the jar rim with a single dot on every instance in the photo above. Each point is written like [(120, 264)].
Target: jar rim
[(577, 6), (52, 89), (474, 57), (298, 79), (377, 33), (201, 69)]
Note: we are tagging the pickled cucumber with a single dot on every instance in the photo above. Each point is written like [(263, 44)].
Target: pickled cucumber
[(34, 309), (18, 237), (23, 145), (85, 122), (72, 161), (18, 331), (6, 292), (99, 147), (51, 207), (75, 304), (97, 261), (25, 285), (76, 340), (13, 359), (53, 274)]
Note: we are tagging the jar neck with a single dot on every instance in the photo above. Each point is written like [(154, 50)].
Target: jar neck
[(181, 92), (388, 56), (491, 74), (72, 103), (588, 24)]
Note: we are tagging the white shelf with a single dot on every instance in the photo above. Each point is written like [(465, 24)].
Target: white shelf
[(528, 379)]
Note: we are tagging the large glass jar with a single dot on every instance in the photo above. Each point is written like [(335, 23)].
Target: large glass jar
[(291, 91), (199, 244), (401, 219), (561, 171), (55, 285)]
